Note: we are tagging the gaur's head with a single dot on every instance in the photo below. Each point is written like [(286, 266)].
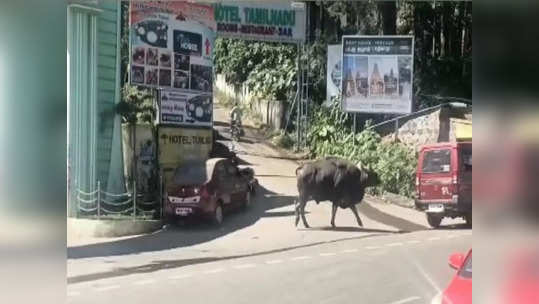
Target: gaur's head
[(369, 178)]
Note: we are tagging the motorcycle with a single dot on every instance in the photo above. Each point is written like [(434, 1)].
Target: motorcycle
[(235, 130)]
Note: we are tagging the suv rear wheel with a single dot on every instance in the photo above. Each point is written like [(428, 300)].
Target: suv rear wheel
[(218, 215), (434, 219)]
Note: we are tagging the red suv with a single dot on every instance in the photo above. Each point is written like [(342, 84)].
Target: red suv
[(444, 181)]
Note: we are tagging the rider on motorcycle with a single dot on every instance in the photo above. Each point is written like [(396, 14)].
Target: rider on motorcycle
[(235, 116)]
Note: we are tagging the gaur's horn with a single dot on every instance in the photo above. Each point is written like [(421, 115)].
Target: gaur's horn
[(360, 165)]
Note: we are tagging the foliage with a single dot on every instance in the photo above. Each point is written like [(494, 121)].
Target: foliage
[(330, 134), (269, 69), (275, 75), (222, 98), (136, 105), (283, 140)]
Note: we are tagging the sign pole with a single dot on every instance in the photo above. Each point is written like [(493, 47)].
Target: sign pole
[(298, 86), (355, 114)]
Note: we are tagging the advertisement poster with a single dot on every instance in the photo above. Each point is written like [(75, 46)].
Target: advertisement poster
[(171, 46), (183, 108), (274, 21), (144, 154), (333, 83), (377, 74), (178, 145)]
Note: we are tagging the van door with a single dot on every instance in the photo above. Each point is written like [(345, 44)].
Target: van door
[(435, 178), (465, 176)]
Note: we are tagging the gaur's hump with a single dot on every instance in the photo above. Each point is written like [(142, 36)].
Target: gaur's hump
[(341, 163), (298, 169)]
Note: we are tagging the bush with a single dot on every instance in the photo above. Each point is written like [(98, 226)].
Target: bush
[(283, 140), (330, 134)]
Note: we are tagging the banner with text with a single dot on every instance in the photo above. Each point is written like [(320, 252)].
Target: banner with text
[(171, 49), (333, 83), (377, 74), (274, 21), (176, 145), (183, 108)]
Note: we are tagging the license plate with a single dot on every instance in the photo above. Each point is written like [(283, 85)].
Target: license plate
[(183, 211), (436, 208)]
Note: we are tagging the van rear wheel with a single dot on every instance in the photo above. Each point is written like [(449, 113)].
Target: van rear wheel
[(468, 219), (434, 219)]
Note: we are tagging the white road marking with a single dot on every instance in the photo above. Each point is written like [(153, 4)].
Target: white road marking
[(407, 300), (305, 257), (214, 270), (325, 254), (73, 293), (107, 288), (434, 238), (349, 250), (393, 244), (372, 247), (243, 266), (427, 277), (181, 276), (271, 262), (144, 282), (413, 242)]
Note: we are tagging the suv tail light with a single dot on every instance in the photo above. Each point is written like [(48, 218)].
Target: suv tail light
[(204, 192)]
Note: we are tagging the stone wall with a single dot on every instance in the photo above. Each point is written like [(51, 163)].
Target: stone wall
[(420, 131), (436, 126), (272, 112)]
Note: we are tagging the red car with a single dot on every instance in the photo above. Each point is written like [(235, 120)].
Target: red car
[(208, 189), (459, 290)]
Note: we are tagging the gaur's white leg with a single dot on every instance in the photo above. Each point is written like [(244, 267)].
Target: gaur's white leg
[(296, 210), (333, 213), (354, 211), (302, 212)]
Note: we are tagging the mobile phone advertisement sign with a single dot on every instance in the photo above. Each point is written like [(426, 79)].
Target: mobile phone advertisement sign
[(171, 49)]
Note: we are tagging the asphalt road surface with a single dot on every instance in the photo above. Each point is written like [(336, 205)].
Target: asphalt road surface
[(396, 268), (258, 256)]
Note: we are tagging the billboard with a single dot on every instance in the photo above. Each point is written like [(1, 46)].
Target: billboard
[(334, 69), (183, 108), (171, 49), (274, 21), (377, 74)]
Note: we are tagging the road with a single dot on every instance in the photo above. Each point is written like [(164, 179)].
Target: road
[(260, 257), (396, 268)]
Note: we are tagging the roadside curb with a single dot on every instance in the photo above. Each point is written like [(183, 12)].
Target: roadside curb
[(80, 228), (398, 200)]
